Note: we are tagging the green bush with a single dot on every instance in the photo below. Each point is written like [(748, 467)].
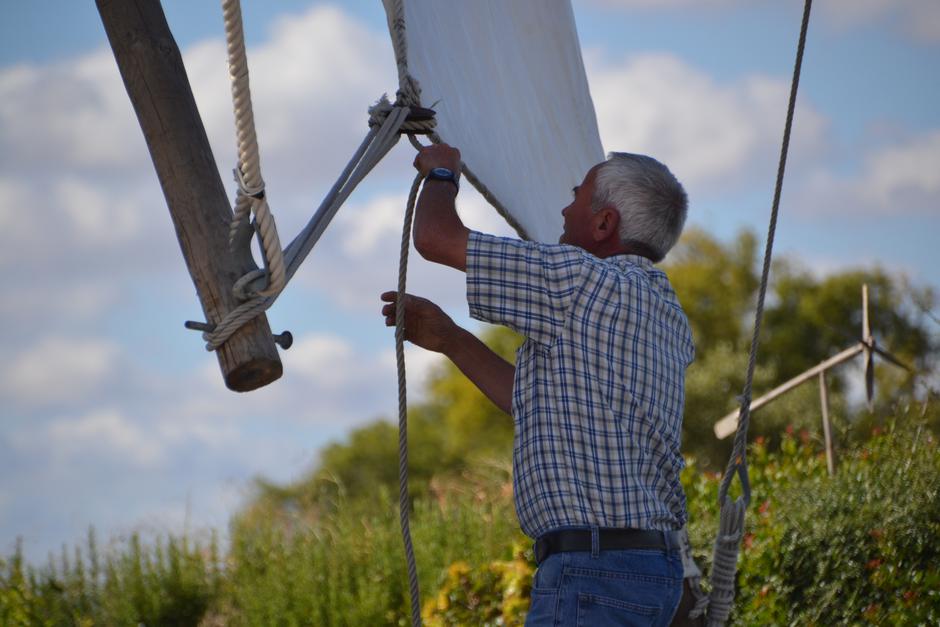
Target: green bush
[(863, 546), (347, 567), (496, 593), (170, 583), (860, 547)]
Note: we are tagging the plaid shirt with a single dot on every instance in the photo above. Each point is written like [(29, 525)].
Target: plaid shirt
[(599, 387)]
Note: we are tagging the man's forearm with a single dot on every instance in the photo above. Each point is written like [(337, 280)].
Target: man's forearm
[(492, 374), (439, 233)]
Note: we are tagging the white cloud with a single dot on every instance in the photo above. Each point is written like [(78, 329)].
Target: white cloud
[(918, 18), (902, 172), (96, 217), (419, 366), (59, 369), (707, 132), (311, 85), (900, 179), (96, 129), (365, 227), (82, 207), (105, 431), (663, 4), (324, 360), (82, 301)]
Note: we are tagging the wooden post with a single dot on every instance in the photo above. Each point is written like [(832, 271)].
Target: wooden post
[(153, 73), (827, 427)]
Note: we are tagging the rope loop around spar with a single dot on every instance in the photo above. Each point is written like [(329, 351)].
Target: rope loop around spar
[(419, 120), (255, 191), (250, 198)]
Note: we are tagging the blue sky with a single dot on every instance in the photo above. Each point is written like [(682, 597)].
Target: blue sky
[(114, 416)]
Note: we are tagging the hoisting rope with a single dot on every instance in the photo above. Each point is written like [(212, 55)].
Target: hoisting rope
[(731, 519), (404, 501)]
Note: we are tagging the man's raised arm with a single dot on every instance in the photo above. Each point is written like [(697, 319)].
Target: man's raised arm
[(439, 234)]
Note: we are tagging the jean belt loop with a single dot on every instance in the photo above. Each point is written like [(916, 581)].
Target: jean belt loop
[(673, 541), (595, 542)]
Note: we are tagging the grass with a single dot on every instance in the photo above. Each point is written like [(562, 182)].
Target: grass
[(860, 548)]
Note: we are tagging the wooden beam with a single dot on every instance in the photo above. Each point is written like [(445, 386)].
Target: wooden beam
[(729, 424), (152, 69)]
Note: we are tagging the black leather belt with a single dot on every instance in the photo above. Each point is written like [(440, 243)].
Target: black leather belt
[(608, 540)]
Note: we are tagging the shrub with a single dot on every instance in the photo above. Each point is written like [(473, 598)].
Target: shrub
[(495, 593), (863, 546)]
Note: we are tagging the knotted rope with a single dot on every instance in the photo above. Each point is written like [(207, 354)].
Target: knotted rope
[(731, 520), (250, 198), (258, 289)]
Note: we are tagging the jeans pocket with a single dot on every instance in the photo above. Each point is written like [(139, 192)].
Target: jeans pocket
[(600, 611), (542, 608)]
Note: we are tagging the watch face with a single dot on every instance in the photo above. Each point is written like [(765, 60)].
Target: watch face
[(443, 172)]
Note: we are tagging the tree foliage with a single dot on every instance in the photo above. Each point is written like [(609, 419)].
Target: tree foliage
[(808, 318)]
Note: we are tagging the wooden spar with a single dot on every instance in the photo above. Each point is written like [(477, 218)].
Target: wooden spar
[(727, 425), (152, 69)]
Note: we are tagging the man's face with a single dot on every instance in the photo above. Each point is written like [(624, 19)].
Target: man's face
[(578, 215)]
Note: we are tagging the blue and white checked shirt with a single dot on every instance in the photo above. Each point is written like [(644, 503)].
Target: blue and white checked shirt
[(599, 387)]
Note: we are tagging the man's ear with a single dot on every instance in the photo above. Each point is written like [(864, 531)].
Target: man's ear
[(606, 222)]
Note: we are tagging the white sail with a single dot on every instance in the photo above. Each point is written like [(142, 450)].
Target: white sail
[(508, 84)]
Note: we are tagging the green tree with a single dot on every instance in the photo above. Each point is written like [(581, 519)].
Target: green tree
[(807, 319)]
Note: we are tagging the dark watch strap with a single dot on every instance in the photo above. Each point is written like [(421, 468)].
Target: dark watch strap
[(443, 174)]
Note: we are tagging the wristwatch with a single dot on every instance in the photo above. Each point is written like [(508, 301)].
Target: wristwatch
[(443, 174)]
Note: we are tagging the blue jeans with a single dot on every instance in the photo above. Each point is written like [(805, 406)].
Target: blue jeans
[(628, 587)]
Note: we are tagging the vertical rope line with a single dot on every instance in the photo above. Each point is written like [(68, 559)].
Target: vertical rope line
[(732, 516), (738, 462), (403, 500), (251, 196)]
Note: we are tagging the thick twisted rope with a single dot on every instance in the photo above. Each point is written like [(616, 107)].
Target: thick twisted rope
[(385, 123), (251, 196), (404, 502), (731, 521)]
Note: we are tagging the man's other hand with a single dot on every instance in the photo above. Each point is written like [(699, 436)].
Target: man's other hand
[(437, 156), (426, 324)]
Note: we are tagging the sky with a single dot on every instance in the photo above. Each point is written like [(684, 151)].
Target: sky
[(113, 415)]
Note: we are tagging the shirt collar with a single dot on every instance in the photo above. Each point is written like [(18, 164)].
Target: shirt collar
[(636, 260)]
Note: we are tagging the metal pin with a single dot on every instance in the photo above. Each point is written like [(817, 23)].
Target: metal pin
[(284, 340), (199, 326)]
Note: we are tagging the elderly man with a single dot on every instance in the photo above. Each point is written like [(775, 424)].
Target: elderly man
[(597, 391)]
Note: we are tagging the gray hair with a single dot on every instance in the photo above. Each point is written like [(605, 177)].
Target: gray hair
[(651, 202)]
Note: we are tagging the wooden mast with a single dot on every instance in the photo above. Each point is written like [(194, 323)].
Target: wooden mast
[(152, 69)]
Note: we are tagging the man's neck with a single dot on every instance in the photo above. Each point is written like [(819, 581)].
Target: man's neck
[(629, 248)]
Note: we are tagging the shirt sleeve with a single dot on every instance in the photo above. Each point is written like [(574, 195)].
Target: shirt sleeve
[(525, 286)]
